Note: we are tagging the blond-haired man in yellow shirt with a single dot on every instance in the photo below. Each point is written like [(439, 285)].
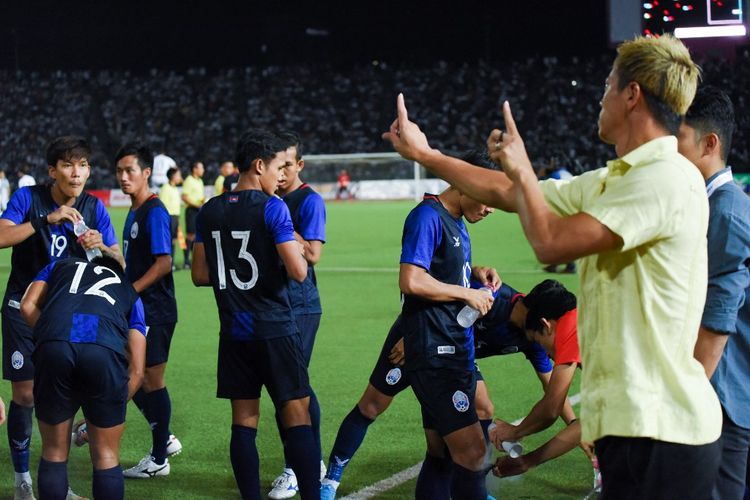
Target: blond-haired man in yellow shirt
[(639, 227)]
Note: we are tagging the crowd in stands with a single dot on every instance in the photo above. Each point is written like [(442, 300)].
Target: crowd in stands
[(198, 114)]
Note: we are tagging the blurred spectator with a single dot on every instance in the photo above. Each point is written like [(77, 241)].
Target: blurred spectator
[(24, 179), (4, 191)]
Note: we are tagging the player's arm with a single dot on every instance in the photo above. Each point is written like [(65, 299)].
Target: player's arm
[(564, 441), (199, 269), (93, 239), (161, 247), (33, 301), (568, 415), (161, 267), (490, 187), (291, 253), (708, 349), (487, 276), (2, 412), (136, 347), (415, 280), (13, 229), (312, 227), (544, 412), (313, 249)]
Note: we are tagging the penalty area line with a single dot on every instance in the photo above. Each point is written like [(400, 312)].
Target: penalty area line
[(410, 473)]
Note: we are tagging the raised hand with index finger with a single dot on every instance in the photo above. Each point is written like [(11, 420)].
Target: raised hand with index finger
[(405, 136), (507, 148)]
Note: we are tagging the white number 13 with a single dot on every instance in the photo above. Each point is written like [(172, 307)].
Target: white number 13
[(243, 236)]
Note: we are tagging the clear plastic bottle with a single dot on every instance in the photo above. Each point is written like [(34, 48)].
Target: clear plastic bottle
[(79, 228), (514, 449), (468, 315)]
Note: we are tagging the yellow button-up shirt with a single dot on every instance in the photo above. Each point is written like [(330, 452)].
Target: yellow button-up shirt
[(170, 196), (192, 187), (640, 306)]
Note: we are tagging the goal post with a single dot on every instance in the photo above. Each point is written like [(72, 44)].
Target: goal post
[(374, 176)]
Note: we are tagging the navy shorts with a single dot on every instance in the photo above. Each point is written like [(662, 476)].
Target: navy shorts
[(190, 216), (18, 344), (386, 377), (446, 397), (158, 340), (72, 376), (308, 324), (278, 364), (174, 223)]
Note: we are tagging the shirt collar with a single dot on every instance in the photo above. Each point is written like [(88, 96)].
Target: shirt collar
[(717, 180)]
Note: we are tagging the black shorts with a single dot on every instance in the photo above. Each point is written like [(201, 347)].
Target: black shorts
[(386, 377), (18, 344), (158, 340), (446, 397), (308, 324), (190, 215), (245, 367), (72, 376), (174, 224)]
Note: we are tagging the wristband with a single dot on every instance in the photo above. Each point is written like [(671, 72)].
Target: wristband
[(39, 222)]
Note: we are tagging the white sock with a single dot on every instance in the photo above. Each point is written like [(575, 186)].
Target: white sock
[(23, 476), (334, 484), (288, 471)]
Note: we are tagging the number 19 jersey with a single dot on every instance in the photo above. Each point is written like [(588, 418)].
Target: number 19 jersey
[(239, 231)]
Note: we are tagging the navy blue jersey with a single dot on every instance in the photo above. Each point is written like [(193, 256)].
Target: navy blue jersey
[(495, 335), (239, 231), (146, 235), (308, 213), (88, 304), (439, 243), (49, 243), (230, 182)]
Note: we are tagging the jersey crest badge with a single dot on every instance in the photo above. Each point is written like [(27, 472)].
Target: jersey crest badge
[(393, 376), (16, 360), (134, 230), (460, 401), (234, 198)]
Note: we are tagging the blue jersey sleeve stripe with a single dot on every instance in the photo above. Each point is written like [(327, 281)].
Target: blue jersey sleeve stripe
[(160, 231), (18, 206), (312, 218), (137, 317), (45, 273), (278, 220), (199, 226), (422, 236)]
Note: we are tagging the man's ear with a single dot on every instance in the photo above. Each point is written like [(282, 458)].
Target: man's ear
[(546, 326), (258, 166), (634, 93), (300, 165), (712, 144)]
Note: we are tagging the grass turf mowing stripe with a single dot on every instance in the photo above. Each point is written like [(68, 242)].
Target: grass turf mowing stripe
[(395, 270), (405, 475)]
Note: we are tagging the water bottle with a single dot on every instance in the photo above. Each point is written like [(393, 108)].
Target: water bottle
[(514, 449), (468, 315), (79, 228)]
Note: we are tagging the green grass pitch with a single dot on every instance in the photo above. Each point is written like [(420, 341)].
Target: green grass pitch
[(358, 280)]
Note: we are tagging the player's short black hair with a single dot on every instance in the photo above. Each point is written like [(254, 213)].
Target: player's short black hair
[(550, 300), (712, 111), (171, 173), (66, 148), (478, 157), (292, 140), (142, 153), (257, 144), (110, 263)]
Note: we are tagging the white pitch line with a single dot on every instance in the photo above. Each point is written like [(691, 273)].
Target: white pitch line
[(395, 270), (405, 475)]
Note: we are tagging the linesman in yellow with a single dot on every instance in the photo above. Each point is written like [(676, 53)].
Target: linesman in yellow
[(170, 196), (638, 227), (194, 196)]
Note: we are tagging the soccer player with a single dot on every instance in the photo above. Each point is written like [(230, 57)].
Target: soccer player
[(308, 214), (639, 227), (170, 197), (246, 250), (38, 224), (147, 245), (89, 348), (551, 323), (499, 332), (724, 337), (194, 196)]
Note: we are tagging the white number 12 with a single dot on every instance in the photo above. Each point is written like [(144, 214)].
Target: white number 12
[(96, 288)]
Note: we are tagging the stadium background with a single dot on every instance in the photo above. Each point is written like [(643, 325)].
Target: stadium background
[(189, 78)]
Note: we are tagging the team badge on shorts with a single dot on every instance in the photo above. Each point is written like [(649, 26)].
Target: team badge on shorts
[(393, 376), (134, 230), (460, 401), (16, 360)]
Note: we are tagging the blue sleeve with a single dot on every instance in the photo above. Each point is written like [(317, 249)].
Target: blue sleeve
[(538, 358), (477, 285), (104, 225), (312, 218), (18, 206), (422, 235), (45, 273), (199, 225), (160, 231), (137, 318), (728, 273), (278, 220)]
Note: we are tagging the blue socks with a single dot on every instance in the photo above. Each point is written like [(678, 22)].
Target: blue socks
[(156, 406), (108, 484), (314, 410), (19, 435), (348, 440), (304, 457), (434, 480), (52, 480), (467, 484), (245, 463)]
